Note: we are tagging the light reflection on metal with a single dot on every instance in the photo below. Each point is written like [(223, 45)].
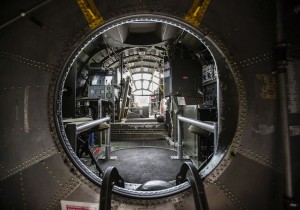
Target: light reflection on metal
[(24, 13), (197, 12), (91, 13)]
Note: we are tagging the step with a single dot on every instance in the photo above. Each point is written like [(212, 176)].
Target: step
[(136, 131)]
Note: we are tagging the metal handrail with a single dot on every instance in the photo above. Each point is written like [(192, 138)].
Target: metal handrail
[(91, 124), (213, 128), (196, 183), (206, 126), (111, 177), (73, 130)]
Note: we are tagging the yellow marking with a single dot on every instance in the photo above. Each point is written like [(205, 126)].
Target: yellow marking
[(196, 12), (269, 86), (91, 13)]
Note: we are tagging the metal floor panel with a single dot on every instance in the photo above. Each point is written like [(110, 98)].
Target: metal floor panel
[(139, 165)]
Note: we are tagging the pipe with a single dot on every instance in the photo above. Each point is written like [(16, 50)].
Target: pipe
[(213, 128), (281, 68), (100, 106), (216, 136), (108, 145), (24, 13), (114, 110), (121, 71), (203, 125), (88, 125), (179, 140)]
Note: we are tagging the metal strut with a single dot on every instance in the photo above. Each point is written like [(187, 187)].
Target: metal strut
[(111, 178), (195, 181), (87, 149)]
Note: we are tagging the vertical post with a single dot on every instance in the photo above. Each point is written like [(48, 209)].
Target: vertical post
[(121, 71), (281, 68), (114, 110), (107, 144), (215, 137), (100, 109), (71, 131), (179, 140)]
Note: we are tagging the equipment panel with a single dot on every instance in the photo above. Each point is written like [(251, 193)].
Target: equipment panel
[(209, 74), (96, 91), (109, 92), (210, 95)]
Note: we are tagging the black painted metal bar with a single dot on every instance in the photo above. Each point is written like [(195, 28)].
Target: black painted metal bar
[(87, 149), (111, 178), (196, 183)]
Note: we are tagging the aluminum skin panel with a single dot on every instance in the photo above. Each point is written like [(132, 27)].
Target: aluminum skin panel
[(47, 182), (254, 186), (262, 127), (12, 199), (25, 133), (247, 29), (217, 199), (84, 193)]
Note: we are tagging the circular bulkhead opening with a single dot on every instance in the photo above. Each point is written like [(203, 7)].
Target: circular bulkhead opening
[(140, 73)]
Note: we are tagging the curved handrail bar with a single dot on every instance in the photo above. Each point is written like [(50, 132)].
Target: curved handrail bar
[(91, 124), (195, 181), (206, 126), (111, 178), (213, 128)]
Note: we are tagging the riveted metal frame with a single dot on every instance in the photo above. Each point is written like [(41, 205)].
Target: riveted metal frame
[(92, 36)]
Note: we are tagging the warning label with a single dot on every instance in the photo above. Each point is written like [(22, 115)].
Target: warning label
[(74, 205), (69, 207)]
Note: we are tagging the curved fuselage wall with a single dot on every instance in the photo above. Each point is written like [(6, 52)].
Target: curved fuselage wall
[(34, 171)]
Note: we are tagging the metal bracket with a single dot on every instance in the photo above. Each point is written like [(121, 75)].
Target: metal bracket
[(178, 158), (110, 158)]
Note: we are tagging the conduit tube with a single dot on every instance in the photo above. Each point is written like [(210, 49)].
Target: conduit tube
[(281, 69)]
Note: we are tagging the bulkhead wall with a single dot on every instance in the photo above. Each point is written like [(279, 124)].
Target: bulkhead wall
[(36, 173)]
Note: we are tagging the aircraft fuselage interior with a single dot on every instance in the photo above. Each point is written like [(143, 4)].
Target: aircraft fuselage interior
[(139, 104), (143, 82)]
